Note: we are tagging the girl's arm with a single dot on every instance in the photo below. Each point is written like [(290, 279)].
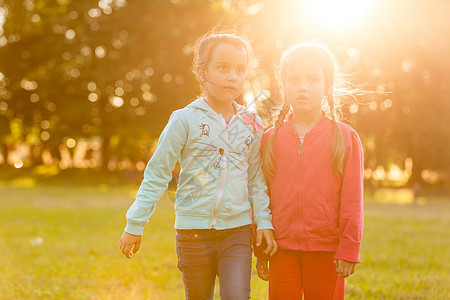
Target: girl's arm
[(158, 174), (351, 218), (257, 188)]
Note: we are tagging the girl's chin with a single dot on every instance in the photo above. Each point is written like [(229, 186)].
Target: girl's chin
[(228, 98), (224, 99), (299, 104), (302, 108)]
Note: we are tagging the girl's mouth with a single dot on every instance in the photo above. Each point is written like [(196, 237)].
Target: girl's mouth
[(230, 88), (302, 99)]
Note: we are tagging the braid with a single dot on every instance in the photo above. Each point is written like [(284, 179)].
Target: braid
[(330, 100), (282, 116), (338, 150), (268, 156)]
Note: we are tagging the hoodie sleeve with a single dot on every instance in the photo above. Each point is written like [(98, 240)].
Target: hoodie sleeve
[(157, 174), (351, 219), (257, 188)]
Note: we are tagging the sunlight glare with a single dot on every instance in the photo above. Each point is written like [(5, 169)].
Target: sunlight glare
[(2, 17), (338, 14)]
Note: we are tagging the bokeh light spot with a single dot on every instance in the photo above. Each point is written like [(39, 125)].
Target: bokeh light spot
[(93, 97), (70, 34), (91, 86), (116, 101), (100, 52), (94, 12), (71, 143)]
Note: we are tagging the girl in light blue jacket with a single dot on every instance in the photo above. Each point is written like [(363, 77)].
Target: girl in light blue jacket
[(217, 142)]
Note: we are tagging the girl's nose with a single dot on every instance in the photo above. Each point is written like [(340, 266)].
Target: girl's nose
[(301, 86), (233, 75)]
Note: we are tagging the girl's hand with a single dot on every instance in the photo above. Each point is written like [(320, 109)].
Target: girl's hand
[(344, 268), (267, 234), (129, 242), (263, 269)]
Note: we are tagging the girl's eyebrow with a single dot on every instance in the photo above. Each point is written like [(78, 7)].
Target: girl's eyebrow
[(227, 62), (294, 73)]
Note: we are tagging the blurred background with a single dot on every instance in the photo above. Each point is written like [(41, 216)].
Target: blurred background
[(91, 84), (86, 88)]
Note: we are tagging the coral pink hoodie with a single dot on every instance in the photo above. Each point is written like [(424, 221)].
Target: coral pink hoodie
[(313, 209)]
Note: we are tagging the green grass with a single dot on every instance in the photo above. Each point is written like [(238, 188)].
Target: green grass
[(60, 241)]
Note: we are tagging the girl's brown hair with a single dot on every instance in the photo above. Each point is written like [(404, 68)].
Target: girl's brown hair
[(335, 88), (205, 46)]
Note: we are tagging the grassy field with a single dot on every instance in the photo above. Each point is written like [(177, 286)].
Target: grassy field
[(60, 241)]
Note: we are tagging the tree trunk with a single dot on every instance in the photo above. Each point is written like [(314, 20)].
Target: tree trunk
[(36, 155), (54, 151), (5, 151), (416, 173), (105, 152)]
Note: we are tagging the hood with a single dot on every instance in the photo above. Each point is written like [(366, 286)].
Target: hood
[(324, 121), (201, 104)]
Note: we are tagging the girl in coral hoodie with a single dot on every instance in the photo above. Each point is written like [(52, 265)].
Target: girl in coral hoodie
[(314, 166)]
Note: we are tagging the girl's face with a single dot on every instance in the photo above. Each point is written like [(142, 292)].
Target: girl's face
[(225, 73), (304, 85)]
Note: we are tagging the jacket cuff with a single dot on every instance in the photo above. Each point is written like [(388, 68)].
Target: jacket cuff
[(134, 229), (348, 250), (263, 224)]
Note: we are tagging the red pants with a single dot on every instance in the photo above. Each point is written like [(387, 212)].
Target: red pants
[(310, 273)]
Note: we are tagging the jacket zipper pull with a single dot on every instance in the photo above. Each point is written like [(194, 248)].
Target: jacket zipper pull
[(300, 152)]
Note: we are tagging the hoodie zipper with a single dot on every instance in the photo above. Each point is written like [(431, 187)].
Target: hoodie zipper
[(224, 173), (300, 212)]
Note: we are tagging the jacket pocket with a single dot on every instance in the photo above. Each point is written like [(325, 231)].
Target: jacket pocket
[(319, 220), (191, 201), (235, 198)]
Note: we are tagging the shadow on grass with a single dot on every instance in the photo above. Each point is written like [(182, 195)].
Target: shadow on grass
[(51, 175)]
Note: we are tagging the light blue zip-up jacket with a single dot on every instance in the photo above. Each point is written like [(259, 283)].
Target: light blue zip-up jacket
[(220, 177)]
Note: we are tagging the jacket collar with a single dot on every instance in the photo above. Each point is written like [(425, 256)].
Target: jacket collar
[(201, 104), (289, 125)]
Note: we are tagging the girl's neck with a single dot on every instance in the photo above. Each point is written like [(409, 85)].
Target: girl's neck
[(303, 122), (226, 109)]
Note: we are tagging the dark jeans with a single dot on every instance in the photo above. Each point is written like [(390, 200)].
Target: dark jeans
[(205, 253)]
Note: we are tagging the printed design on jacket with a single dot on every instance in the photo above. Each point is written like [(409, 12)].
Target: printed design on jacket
[(248, 141), (205, 129), (208, 150), (251, 120), (198, 181)]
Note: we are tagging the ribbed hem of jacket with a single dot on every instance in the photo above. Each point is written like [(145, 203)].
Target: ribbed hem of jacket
[(349, 248), (134, 229), (202, 222)]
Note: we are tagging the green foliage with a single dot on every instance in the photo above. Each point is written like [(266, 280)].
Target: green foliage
[(61, 47), (141, 51)]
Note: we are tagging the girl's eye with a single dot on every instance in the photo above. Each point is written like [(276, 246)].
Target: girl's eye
[(313, 78), (241, 70), (292, 79), (223, 68)]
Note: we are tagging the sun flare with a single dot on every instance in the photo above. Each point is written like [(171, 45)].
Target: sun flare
[(338, 14)]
